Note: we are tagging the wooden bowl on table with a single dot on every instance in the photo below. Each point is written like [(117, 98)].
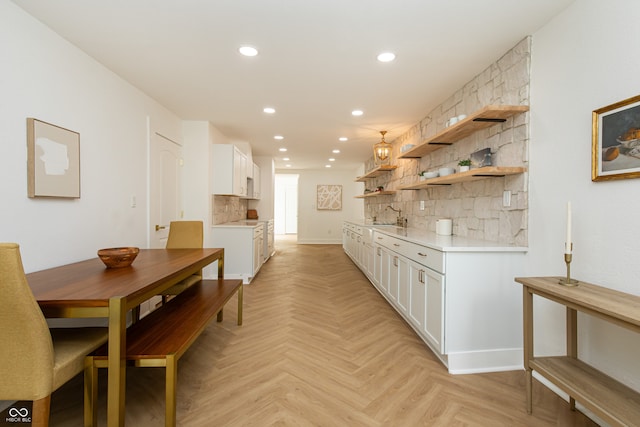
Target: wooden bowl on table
[(118, 257)]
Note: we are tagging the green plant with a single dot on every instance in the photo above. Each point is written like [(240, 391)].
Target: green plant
[(465, 162)]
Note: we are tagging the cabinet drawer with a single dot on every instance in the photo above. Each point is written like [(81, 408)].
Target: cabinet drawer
[(421, 254)]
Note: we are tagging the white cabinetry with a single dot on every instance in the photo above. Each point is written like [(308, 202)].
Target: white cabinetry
[(254, 183), (243, 248), (229, 172), (458, 297)]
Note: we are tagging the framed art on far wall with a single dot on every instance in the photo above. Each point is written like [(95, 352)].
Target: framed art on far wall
[(53, 160), (329, 197), (615, 145)]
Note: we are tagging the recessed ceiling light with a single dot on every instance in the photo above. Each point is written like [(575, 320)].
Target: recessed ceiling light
[(386, 57), (288, 166), (269, 110), (335, 151), (343, 138), (248, 50), (357, 113), (286, 159), (278, 137), (282, 149), (332, 159), (327, 166)]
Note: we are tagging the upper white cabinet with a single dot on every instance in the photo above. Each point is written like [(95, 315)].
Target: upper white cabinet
[(229, 170), (254, 183)]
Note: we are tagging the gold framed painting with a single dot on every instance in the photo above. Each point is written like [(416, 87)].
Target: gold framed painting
[(615, 145), (329, 197), (53, 160)]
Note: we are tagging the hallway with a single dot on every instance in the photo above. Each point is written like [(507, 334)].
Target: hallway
[(319, 347)]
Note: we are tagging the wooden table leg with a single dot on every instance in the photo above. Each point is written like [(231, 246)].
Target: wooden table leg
[(572, 343), (527, 321), (117, 362)]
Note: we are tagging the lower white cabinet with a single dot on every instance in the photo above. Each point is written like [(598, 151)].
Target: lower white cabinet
[(243, 248), (460, 300)]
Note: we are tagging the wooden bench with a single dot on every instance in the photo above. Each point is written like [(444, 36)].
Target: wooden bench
[(162, 337)]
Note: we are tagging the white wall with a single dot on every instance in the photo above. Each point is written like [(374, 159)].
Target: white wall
[(584, 59), (325, 226), (45, 77)]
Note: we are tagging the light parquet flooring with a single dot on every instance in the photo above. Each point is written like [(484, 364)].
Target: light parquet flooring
[(319, 347)]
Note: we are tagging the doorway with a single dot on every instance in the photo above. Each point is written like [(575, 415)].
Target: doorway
[(286, 204)]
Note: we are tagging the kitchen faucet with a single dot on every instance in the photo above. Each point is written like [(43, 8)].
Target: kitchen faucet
[(400, 221)]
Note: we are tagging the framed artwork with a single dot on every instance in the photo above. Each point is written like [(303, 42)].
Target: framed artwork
[(329, 197), (53, 160), (615, 146)]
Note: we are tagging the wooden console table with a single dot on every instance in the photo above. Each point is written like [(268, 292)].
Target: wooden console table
[(610, 400)]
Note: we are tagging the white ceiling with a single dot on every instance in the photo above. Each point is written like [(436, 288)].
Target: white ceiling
[(317, 61)]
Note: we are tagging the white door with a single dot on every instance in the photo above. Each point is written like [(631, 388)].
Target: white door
[(164, 189)]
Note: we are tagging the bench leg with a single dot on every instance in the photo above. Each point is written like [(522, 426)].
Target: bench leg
[(171, 384), (90, 392), (240, 292), (220, 317)]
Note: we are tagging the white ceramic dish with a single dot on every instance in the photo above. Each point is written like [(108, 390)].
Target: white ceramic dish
[(446, 171), (429, 175)]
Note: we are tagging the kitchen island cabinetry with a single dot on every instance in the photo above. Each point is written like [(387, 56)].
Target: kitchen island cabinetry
[(243, 248), (456, 294)]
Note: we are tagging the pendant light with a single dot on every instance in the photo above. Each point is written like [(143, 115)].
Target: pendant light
[(382, 151)]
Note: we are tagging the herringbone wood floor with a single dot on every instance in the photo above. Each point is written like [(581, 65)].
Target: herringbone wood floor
[(319, 347)]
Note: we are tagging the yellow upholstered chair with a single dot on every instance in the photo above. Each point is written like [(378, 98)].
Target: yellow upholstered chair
[(35, 360), (185, 235)]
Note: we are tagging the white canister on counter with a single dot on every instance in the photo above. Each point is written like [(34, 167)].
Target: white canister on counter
[(444, 226)]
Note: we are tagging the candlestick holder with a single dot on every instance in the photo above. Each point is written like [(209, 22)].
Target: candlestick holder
[(568, 281)]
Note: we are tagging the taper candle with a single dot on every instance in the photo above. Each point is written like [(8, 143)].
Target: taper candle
[(567, 247)]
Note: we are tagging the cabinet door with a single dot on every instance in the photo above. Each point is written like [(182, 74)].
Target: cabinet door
[(369, 254), (434, 319), (417, 294), (393, 278), (403, 285), (239, 172), (377, 261), (385, 269), (256, 182)]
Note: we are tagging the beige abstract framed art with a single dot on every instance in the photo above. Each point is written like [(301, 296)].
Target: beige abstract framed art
[(53, 160)]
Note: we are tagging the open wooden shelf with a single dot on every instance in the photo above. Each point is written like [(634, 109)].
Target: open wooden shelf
[(471, 175), (484, 118), (380, 170), (375, 193), (609, 399)]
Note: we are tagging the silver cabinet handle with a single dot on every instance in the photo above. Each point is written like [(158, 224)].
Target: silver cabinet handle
[(396, 245), (421, 254), (395, 261)]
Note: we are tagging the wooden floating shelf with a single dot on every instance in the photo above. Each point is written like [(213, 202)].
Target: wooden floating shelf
[(484, 118), (471, 175), (380, 170), (375, 193)]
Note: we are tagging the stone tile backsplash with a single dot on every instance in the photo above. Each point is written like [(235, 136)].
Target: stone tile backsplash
[(475, 207)]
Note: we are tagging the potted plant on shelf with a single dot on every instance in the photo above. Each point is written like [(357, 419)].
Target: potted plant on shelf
[(465, 165)]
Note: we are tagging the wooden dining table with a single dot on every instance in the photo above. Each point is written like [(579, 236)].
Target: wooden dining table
[(87, 289)]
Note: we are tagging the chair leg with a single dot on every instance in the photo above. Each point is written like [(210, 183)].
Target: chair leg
[(40, 412), (90, 392), (240, 302)]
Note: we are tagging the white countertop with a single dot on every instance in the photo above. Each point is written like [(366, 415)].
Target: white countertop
[(442, 243), (252, 223)]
